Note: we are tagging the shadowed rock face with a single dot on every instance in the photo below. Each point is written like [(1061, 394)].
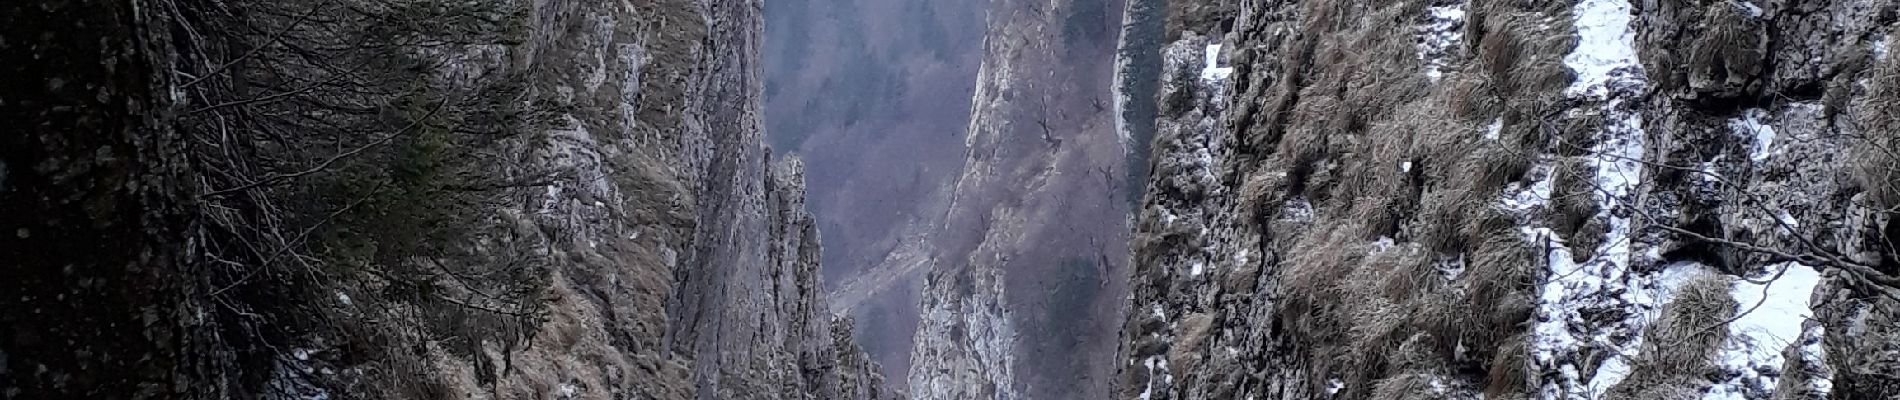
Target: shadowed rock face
[(684, 266), (92, 297)]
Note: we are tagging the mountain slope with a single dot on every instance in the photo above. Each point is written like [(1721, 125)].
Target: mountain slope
[(1505, 199), (406, 200)]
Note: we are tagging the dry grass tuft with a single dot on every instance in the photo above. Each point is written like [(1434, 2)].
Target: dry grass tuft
[(1574, 205), (1493, 166), (1382, 154), (1577, 134), (1875, 156), (1510, 370), (1680, 347), (1523, 52), (1728, 56), (1498, 282), (1313, 277)]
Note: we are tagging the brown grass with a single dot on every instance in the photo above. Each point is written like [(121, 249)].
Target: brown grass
[(1574, 205), (1510, 370), (1729, 52), (1523, 53), (1875, 155), (1679, 348), (1349, 107)]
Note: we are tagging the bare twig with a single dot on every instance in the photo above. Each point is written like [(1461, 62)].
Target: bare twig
[(259, 48), (325, 165)]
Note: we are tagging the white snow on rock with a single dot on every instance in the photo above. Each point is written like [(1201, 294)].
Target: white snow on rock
[(1748, 7), (1575, 295), (1880, 47), (1606, 50), (1213, 71), (1754, 124), (1157, 367), (1440, 33), (1758, 335)]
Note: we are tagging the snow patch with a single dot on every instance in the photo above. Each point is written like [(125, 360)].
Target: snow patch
[(1297, 210), (1571, 319), (1497, 126), (1384, 243), (1156, 365), (1213, 71), (1788, 223), (1439, 34), (1606, 49), (1451, 269), (1754, 124), (1524, 198), (1753, 354)]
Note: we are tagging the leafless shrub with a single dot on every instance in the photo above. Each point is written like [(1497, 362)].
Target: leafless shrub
[(351, 146)]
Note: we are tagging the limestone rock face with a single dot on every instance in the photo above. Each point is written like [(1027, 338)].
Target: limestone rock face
[(1024, 275)]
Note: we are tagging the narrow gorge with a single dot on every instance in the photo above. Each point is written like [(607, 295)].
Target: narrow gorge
[(913, 199)]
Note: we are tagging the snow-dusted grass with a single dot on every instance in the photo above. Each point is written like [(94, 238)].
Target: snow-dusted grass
[(1607, 71), (1605, 47), (1440, 34)]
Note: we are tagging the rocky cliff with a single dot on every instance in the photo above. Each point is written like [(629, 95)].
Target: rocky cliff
[(340, 199), (1503, 199), (1024, 277), (874, 95)]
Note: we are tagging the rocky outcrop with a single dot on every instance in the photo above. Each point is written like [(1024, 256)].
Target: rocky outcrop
[(1023, 285), (1483, 199), (669, 252), (874, 95)]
